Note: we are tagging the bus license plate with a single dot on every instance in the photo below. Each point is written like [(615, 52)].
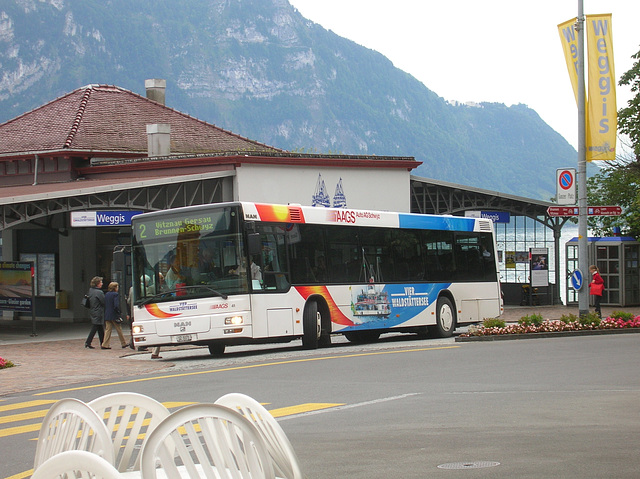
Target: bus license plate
[(183, 338)]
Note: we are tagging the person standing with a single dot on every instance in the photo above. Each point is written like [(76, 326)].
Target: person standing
[(96, 311), (596, 287), (112, 316)]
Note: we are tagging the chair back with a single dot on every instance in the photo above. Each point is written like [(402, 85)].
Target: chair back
[(129, 418), (69, 425), (285, 461), (205, 441), (77, 465)]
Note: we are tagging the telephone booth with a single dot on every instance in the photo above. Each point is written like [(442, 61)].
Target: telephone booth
[(617, 259)]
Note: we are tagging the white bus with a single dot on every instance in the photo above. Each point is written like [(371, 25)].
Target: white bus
[(239, 273)]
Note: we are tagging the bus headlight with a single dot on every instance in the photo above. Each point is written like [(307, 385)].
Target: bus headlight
[(234, 320), (137, 329)]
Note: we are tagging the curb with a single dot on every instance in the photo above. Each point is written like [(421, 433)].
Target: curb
[(551, 334)]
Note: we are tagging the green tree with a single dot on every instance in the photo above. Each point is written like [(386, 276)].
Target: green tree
[(618, 183), (629, 117)]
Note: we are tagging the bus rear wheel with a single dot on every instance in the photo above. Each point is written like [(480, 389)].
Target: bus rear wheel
[(216, 349), (445, 318)]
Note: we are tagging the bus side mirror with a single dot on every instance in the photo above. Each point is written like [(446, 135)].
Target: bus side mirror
[(254, 244)]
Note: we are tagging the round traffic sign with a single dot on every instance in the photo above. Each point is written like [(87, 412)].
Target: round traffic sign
[(565, 179), (576, 280)]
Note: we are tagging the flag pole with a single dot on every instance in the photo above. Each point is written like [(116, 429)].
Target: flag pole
[(583, 252)]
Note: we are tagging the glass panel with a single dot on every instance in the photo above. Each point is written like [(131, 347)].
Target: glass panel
[(614, 267), (189, 255), (601, 252), (614, 252), (269, 268), (612, 282), (603, 267), (614, 297), (344, 259), (438, 249), (307, 254)]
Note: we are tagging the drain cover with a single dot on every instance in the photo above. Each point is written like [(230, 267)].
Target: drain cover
[(468, 465)]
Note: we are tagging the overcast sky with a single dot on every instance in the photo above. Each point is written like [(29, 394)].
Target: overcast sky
[(505, 51)]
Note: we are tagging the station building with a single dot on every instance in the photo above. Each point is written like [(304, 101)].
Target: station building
[(74, 171)]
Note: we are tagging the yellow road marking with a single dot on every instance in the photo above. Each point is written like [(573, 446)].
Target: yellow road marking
[(21, 475), (171, 405), (10, 431), (300, 408), (23, 416), (23, 405)]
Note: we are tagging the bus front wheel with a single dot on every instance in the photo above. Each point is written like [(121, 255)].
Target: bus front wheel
[(216, 349), (445, 318), (312, 326)]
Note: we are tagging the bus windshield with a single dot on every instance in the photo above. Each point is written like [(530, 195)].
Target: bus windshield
[(191, 254)]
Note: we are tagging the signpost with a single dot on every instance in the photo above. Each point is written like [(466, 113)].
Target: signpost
[(563, 211), (604, 211), (591, 211), (566, 186)]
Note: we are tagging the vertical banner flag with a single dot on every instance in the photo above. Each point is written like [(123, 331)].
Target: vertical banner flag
[(602, 119), (569, 41)]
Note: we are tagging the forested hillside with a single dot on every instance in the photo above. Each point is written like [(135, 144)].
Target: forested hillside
[(259, 69)]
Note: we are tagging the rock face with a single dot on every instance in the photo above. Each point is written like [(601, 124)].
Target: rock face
[(259, 69)]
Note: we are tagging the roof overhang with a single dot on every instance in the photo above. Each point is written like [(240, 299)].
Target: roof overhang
[(23, 194)]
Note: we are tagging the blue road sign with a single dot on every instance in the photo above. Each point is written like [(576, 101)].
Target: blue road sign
[(576, 279)]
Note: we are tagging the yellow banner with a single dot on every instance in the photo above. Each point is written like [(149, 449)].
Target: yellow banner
[(569, 40), (602, 117)]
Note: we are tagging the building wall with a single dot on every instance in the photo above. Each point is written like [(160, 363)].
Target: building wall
[(364, 188)]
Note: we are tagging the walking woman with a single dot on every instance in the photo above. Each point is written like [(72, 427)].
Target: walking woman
[(596, 287), (112, 316), (96, 311)]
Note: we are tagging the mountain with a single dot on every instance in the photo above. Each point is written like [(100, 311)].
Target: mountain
[(260, 69)]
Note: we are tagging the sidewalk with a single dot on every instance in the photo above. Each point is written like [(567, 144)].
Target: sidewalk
[(56, 356)]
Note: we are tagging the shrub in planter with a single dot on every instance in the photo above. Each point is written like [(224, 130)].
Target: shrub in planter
[(623, 315), (590, 319), (569, 318), (493, 323), (531, 320)]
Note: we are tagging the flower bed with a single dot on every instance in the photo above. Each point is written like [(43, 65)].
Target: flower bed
[(535, 324), (4, 363)]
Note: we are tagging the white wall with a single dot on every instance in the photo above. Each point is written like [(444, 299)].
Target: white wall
[(364, 188)]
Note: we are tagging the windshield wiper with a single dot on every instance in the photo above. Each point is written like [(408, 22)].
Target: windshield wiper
[(172, 292)]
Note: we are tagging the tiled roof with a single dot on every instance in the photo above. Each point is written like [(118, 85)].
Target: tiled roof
[(104, 118)]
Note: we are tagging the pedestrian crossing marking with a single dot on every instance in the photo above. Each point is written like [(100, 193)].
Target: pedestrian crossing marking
[(302, 408), (35, 427), (22, 405)]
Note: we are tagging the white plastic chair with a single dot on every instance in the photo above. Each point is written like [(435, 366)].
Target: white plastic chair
[(76, 465), (129, 417), (71, 425), (285, 461), (205, 441)]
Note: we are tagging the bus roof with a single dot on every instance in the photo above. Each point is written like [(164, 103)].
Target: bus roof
[(335, 216), (354, 217)]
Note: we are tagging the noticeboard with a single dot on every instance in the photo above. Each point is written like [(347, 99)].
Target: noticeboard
[(44, 266), (16, 286), (539, 267)]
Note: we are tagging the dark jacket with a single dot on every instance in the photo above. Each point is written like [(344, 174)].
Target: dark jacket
[(111, 306), (96, 309)]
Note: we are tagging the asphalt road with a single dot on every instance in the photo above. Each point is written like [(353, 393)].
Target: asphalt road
[(558, 407)]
